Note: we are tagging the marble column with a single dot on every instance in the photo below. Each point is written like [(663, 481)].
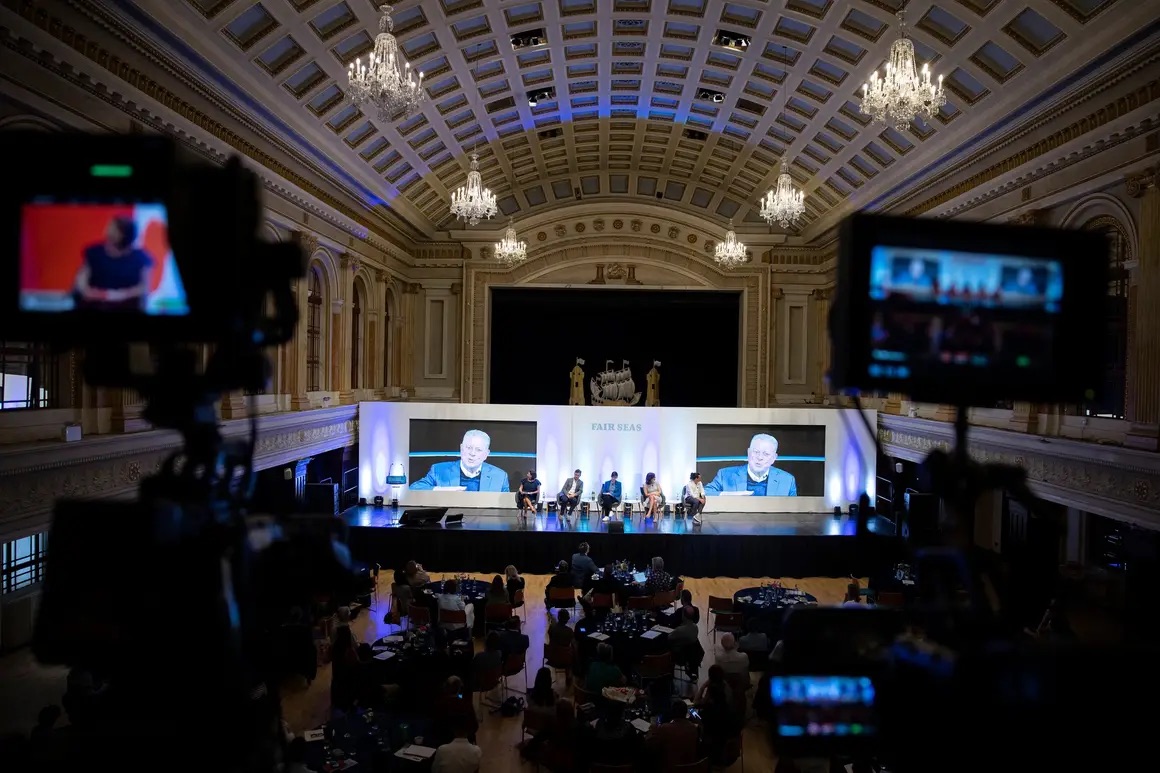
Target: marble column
[(350, 266), (821, 376), (776, 294), (411, 328), (1144, 410), (295, 372)]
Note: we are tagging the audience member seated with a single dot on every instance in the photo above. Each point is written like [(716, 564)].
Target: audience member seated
[(658, 580), (587, 621), (730, 659), (603, 672), (613, 741), (675, 741), (583, 567), (402, 596), (719, 720), (561, 579), (554, 747), (559, 634), (345, 671), (853, 595), (514, 583), (687, 606), (453, 711), (342, 620), (497, 591), (299, 653), (459, 756), (451, 600), (542, 698), (685, 644), (755, 639), (490, 657), (607, 585), (512, 641), (416, 577)]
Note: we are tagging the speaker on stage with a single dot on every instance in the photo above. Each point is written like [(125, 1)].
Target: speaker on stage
[(616, 527), (422, 516)]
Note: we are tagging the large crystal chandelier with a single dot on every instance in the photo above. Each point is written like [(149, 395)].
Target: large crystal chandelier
[(472, 202), (385, 82), (510, 250), (730, 253), (903, 92), (784, 203)]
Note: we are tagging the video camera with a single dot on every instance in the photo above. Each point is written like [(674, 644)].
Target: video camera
[(963, 314), (138, 256)]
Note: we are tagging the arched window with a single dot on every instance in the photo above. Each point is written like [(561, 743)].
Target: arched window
[(1114, 376), (355, 335), (314, 333)]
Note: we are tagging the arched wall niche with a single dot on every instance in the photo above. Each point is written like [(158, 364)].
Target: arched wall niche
[(28, 123), (1102, 210), (576, 264)]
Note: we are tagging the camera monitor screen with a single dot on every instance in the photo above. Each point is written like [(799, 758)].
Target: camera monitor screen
[(937, 308), (100, 256), (824, 706), (760, 460), (484, 456)]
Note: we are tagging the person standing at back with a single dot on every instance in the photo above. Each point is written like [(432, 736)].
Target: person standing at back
[(583, 567)]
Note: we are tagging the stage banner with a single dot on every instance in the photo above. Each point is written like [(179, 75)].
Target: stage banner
[(625, 440)]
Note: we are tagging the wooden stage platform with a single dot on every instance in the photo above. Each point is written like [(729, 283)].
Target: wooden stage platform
[(724, 545)]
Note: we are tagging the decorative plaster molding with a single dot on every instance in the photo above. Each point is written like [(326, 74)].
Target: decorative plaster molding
[(1116, 482), (1137, 184)]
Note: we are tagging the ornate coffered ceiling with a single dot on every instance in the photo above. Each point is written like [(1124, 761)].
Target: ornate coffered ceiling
[(637, 99)]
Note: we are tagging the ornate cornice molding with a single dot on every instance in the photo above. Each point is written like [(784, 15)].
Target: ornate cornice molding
[(1137, 184), (1120, 483)]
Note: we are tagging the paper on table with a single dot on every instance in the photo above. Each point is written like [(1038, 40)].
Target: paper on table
[(650, 634), (662, 629), (598, 636), (641, 725), (385, 655), (394, 637), (414, 751), (314, 735)]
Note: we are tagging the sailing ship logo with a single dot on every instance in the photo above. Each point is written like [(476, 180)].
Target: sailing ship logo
[(614, 387)]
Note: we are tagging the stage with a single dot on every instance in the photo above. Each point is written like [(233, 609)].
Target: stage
[(724, 545)]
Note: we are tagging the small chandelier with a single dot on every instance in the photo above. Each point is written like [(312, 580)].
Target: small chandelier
[(784, 203), (385, 81), (472, 202), (509, 250), (730, 253), (904, 92)]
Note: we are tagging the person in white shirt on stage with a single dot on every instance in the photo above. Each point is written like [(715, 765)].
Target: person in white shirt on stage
[(570, 493), (695, 497)]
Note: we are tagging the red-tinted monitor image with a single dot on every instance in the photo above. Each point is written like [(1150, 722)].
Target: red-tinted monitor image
[(98, 257)]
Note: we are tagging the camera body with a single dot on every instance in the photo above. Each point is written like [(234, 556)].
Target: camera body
[(968, 313)]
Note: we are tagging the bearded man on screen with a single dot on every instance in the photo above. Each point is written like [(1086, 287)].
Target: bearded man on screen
[(758, 477), (470, 473)]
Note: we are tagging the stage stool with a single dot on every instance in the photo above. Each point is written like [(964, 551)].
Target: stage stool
[(539, 506), (679, 509), (666, 511), (583, 509), (552, 506), (628, 509)]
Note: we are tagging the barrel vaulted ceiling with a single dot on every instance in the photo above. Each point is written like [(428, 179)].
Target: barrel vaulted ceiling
[(642, 99)]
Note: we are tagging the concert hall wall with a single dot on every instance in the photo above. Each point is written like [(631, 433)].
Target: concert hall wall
[(537, 334), (826, 451)]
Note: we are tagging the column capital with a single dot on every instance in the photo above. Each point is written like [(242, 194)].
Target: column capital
[(411, 288), (1137, 184), (456, 288), (778, 294), (1030, 217), (822, 293), (336, 306), (348, 261), (382, 276), (307, 241)]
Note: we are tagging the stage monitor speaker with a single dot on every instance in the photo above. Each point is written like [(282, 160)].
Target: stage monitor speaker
[(616, 527), (454, 519), (362, 501), (422, 516), (378, 501)]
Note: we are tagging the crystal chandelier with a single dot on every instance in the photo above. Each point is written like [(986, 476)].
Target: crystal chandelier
[(509, 250), (472, 202), (783, 203), (730, 253), (385, 81), (904, 92)]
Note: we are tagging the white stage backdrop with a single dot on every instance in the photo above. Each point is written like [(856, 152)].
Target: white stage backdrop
[(823, 456)]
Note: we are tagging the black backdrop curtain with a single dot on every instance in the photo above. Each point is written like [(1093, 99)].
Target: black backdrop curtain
[(537, 334)]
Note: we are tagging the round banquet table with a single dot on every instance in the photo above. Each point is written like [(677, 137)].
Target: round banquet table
[(366, 740), (769, 604), (473, 592), (625, 632)]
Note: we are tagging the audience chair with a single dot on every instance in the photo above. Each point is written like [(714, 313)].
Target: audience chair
[(700, 766), (717, 605), (535, 721), (496, 616), (561, 598), (664, 599), (677, 593), (580, 696), (739, 685), (486, 681), (602, 601), (641, 602), (891, 599), (420, 615), (726, 622), (513, 665), (518, 604), (559, 657), (653, 667), (455, 622), (734, 750)]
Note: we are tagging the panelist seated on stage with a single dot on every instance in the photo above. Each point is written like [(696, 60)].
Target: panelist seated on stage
[(570, 493), (529, 494), (758, 477), (611, 495), (470, 473)]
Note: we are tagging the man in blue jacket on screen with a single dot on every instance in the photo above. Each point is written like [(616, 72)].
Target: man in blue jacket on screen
[(470, 473), (759, 477)]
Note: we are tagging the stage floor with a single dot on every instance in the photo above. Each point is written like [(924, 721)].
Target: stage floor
[(724, 545), (734, 524)]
